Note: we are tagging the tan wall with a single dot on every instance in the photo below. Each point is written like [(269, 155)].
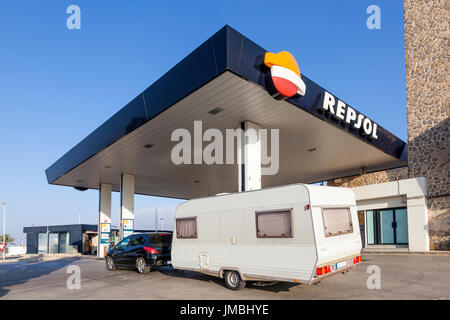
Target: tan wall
[(371, 178), (427, 43)]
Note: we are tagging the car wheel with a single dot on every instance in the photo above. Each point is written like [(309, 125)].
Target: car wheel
[(233, 280), (110, 264), (141, 265)]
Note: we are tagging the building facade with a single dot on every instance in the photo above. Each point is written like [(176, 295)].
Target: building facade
[(68, 239), (427, 39), (71, 238)]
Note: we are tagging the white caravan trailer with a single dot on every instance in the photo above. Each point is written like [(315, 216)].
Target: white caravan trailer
[(297, 233)]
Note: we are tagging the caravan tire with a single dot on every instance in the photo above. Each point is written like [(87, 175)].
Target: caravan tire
[(233, 280)]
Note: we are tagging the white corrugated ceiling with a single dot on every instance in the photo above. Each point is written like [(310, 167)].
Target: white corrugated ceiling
[(337, 153)]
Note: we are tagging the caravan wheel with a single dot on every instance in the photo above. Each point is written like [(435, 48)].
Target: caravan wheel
[(233, 280)]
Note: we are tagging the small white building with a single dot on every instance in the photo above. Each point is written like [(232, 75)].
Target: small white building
[(15, 250), (394, 215)]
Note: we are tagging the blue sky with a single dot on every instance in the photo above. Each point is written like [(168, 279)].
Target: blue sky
[(58, 85)]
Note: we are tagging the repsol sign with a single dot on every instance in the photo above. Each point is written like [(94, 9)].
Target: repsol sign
[(347, 114)]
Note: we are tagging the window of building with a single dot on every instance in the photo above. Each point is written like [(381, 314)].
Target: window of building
[(361, 218), (42, 243), (186, 228), (362, 223), (63, 242), (274, 224), (336, 221), (387, 226), (53, 242)]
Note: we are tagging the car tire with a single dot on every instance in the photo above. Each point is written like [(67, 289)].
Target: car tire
[(233, 280), (110, 264), (141, 265)]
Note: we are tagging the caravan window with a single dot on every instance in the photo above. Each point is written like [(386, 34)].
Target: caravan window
[(336, 221), (274, 224), (186, 228)]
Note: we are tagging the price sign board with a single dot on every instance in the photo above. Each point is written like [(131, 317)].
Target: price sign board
[(105, 227), (128, 224)]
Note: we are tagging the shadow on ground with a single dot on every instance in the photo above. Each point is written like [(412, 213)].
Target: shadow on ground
[(264, 286), (15, 273)]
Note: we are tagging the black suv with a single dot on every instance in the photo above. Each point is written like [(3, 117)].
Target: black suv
[(143, 251)]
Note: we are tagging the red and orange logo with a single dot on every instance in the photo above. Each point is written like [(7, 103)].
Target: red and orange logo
[(285, 73)]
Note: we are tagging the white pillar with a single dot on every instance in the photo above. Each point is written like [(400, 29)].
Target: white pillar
[(156, 219), (418, 232), (126, 205), (249, 173), (104, 219)]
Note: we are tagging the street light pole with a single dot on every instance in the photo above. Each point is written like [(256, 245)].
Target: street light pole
[(156, 219), (4, 228), (79, 216)]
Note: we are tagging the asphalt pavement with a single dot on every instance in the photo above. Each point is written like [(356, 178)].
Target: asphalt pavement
[(401, 277)]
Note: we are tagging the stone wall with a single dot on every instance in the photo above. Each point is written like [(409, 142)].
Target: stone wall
[(371, 178), (427, 39), (427, 43)]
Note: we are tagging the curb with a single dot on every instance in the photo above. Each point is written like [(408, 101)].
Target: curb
[(39, 258), (409, 253)]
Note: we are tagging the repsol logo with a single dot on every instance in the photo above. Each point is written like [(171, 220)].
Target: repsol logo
[(345, 113)]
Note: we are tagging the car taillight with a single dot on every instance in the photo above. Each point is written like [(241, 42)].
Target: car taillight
[(150, 250), (356, 259), (323, 270)]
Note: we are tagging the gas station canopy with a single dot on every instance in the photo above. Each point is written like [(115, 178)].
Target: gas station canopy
[(222, 83)]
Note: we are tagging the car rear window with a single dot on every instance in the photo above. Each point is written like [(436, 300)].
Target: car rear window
[(167, 238), (137, 240), (336, 221), (159, 239)]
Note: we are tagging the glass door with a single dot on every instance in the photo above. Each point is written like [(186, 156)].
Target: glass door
[(42, 243), (63, 242), (362, 223), (371, 227), (52, 242), (387, 226), (401, 221)]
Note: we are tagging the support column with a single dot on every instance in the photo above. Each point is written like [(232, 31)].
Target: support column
[(418, 229), (104, 219), (126, 205), (249, 155)]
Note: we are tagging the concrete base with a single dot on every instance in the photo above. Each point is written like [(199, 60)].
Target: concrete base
[(405, 252), (41, 257)]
